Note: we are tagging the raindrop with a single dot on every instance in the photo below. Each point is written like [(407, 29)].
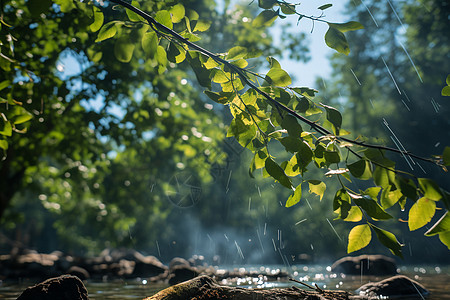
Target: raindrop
[(157, 247), (354, 75), (260, 242), (398, 18), (410, 59), (299, 222), (370, 13), (334, 229), (392, 76)]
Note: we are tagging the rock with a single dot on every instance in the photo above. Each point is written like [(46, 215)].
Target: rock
[(378, 265), (65, 287), (182, 273), (204, 287), (178, 261), (147, 266), (79, 272), (398, 286)]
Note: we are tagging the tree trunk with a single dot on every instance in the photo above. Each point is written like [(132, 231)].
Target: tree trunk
[(204, 288)]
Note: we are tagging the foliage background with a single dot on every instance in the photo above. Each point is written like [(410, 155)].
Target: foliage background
[(99, 163)]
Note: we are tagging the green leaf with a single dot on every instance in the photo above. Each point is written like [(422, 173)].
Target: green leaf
[(389, 240), (372, 208), (354, 214), (421, 213), (325, 6), (266, 4), (4, 145), (445, 91), (317, 187), (430, 189), (336, 40), (132, 16), (291, 125), (389, 198), (360, 169), (98, 19), (150, 43), (278, 77), (201, 25), (242, 129), (7, 129), (19, 119), (265, 18), (161, 55), (107, 31), (286, 8), (444, 237), (177, 11), (4, 84), (202, 74), (442, 225), (359, 237), (349, 26), (237, 52), (295, 197), (407, 187), (334, 116), (164, 17), (446, 156), (221, 97), (277, 172), (123, 49), (341, 204), (176, 53)]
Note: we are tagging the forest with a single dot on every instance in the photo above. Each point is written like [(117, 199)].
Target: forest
[(116, 133)]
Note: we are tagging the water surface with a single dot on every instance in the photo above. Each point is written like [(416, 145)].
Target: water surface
[(435, 279)]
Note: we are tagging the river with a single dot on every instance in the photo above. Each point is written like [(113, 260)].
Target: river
[(435, 279)]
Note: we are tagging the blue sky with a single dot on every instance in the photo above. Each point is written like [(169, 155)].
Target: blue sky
[(319, 65)]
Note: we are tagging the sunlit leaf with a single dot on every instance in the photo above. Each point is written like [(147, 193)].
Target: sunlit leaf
[(7, 128), (359, 237), (349, 26), (98, 19), (265, 18), (421, 213), (317, 187), (221, 97), (177, 11), (389, 198), (237, 52), (354, 214), (389, 240), (444, 237), (442, 225), (336, 40), (164, 17), (278, 77), (150, 43), (430, 189), (107, 31), (132, 16), (201, 25), (277, 172), (295, 197), (22, 118), (4, 145)]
